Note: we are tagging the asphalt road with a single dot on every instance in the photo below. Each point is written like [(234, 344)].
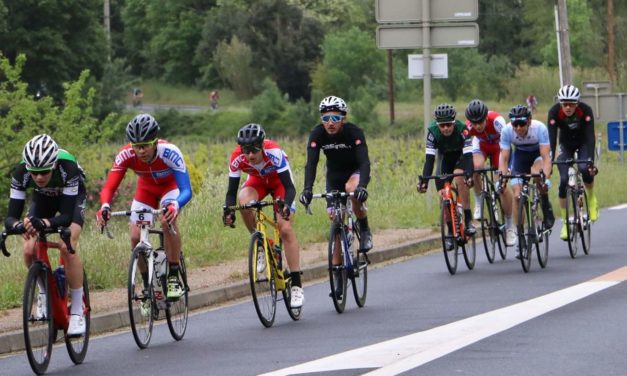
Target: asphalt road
[(418, 320)]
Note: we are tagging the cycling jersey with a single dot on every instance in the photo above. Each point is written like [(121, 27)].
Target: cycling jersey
[(273, 173), (63, 192), (456, 148), (537, 135), (576, 131), (487, 141), (165, 173), (346, 152)]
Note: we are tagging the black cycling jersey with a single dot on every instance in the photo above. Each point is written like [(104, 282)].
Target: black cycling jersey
[(64, 192), (346, 153), (575, 132)]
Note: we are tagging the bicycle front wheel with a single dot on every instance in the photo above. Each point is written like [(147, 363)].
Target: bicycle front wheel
[(541, 239), (571, 221), (585, 227), (487, 222), (295, 313), (141, 304), (469, 249), (449, 242), (39, 333), (524, 248), (176, 311), (338, 278), (360, 278), (77, 346), (262, 282)]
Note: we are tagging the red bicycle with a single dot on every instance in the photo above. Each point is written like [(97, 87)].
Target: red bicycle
[(40, 327)]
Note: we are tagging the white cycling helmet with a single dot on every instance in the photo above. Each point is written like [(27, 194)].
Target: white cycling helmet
[(333, 103), (568, 93), (40, 153)]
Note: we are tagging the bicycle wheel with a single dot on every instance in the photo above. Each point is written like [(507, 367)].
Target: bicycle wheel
[(141, 303), (77, 346), (585, 229), (524, 248), (469, 249), (487, 222), (176, 311), (39, 332), (360, 277), (262, 285), (499, 223), (295, 313), (337, 273), (450, 255), (571, 221), (540, 238)]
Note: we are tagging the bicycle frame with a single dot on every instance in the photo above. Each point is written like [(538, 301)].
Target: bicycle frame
[(452, 200), (343, 218)]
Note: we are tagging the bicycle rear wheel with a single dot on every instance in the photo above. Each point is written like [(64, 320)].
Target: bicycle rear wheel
[(541, 239), (141, 303), (450, 255), (338, 278), (176, 311), (39, 333), (499, 223), (489, 241), (469, 250), (262, 285), (77, 346), (585, 227), (524, 246), (571, 221), (295, 313)]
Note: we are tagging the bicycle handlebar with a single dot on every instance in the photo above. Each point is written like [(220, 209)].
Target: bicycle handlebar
[(443, 176), (256, 205), (571, 161), (128, 213), (331, 195), (485, 169), (64, 233), (523, 176)]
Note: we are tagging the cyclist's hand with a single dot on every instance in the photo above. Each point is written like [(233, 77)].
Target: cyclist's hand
[(361, 194), (285, 212), (468, 180), (171, 211), (305, 197), (103, 215), (442, 193), (501, 184), (228, 217), (422, 185), (593, 170), (545, 186), (34, 225)]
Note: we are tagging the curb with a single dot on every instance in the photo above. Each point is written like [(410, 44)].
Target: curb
[(206, 297)]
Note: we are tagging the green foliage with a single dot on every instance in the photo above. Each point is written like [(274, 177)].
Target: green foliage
[(234, 63), (113, 89)]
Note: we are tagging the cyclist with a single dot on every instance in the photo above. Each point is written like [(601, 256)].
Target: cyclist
[(163, 181), (485, 126), (449, 139), (268, 170), (575, 122), (348, 164), (58, 184), (531, 155)]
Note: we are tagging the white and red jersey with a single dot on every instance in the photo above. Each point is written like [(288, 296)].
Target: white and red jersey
[(492, 132), (274, 162), (167, 170)]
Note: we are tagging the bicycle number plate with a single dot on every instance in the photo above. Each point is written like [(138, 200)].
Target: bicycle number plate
[(142, 218)]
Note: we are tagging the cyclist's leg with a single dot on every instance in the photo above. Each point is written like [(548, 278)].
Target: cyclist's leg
[(464, 193), (588, 181), (478, 161), (172, 244), (564, 153), (361, 212), (254, 189), (547, 210)]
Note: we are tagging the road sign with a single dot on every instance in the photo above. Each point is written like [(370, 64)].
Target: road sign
[(463, 34), (411, 10), (416, 69), (614, 133)]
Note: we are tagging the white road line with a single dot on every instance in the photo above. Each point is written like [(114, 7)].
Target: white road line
[(399, 355), (618, 207)]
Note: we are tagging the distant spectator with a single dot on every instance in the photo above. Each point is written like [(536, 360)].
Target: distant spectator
[(213, 99), (137, 97), (532, 103)]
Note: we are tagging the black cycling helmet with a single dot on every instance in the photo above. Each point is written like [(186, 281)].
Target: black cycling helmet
[(251, 134), (444, 113), (519, 113), (142, 128), (476, 111)]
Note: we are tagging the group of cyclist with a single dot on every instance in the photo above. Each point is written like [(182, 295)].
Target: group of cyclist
[(523, 145), (59, 193)]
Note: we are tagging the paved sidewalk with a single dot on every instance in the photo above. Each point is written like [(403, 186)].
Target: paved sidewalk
[(206, 297)]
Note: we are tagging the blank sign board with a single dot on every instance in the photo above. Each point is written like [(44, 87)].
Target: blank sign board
[(387, 11), (442, 36)]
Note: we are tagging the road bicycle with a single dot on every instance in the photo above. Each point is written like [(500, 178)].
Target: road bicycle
[(492, 216), (454, 231), (266, 274), (40, 330), (344, 238), (147, 298), (578, 223), (530, 226)]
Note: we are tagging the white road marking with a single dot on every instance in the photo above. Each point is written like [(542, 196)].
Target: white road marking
[(618, 207), (401, 354)]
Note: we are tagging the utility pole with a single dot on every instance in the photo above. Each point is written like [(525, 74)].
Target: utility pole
[(107, 26), (611, 67), (391, 84), (563, 43)]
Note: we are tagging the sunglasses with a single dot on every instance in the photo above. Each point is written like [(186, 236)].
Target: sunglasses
[(519, 124), (247, 149), (568, 104), (142, 145), (333, 118), (41, 172), (445, 125)]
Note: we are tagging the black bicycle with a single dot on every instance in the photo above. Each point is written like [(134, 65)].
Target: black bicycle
[(492, 216)]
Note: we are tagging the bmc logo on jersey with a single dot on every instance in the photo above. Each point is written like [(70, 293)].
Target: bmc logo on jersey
[(124, 155), (173, 156)]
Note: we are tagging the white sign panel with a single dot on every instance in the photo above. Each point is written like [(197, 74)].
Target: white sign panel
[(463, 34), (387, 11), (416, 67)]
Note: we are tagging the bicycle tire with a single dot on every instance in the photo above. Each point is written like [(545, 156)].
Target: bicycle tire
[(585, 225), (540, 235), (262, 287), (177, 311), (524, 248), (294, 313), (338, 279), (450, 256), (499, 222), (486, 228), (360, 278), (571, 221), (39, 333), (469, 250), (141, 325), (77, 346)]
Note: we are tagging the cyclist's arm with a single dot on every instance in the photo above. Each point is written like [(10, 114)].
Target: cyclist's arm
[(545, 153), (17, 197), (288, 184), (467, 155), (431, 150), (16, 207), (504, 160), (66, 211), (361, 153), (552, 126), (231, 191), (313, 155), (505, 144), (185, 187), (590, 135)]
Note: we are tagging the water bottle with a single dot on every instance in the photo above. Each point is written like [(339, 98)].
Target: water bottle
[(59, 275), (160, 263), (572, 176), (278, 257)]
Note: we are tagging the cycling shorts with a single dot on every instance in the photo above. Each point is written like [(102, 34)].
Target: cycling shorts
[(264, 185), (161, 201), (336, 181), (489, 151), (523, 160)]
